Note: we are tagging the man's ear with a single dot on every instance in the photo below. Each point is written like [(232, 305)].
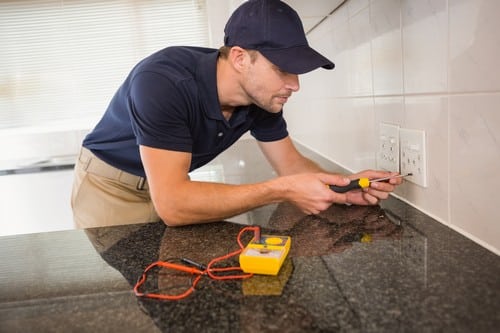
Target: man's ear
[(239, 58)]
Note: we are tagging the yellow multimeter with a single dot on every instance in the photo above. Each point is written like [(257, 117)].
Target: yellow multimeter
[(265, 256)]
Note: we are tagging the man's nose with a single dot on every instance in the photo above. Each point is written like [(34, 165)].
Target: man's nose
[(292, 82)]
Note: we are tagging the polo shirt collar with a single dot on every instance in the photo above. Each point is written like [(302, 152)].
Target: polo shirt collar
[(206, 78)]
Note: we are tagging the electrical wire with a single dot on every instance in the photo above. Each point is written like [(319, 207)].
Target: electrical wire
[(215, 273)]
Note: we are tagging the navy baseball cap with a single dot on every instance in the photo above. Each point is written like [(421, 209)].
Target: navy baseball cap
[(274, 29)]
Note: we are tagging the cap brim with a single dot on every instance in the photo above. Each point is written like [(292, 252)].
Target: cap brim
[(297, 60)]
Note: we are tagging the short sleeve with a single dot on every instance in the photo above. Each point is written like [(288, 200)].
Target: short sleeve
[(269, 126), (159, 112)]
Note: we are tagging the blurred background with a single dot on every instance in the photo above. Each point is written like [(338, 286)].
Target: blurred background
[(428, 66)]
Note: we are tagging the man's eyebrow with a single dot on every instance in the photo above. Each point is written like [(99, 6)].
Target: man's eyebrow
[(277, 68)]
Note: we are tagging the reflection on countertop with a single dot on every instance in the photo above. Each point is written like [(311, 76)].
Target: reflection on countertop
[(386, 268)]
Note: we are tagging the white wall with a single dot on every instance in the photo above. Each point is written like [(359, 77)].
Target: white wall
[(37, 202), (218, 12), (429, 65)]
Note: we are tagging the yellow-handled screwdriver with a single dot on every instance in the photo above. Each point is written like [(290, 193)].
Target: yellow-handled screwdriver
[(362, 183)]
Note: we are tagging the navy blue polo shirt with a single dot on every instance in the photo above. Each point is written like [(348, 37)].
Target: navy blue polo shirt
[(169, 101)]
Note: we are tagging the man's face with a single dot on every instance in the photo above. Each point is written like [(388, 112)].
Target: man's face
[(267, 86)]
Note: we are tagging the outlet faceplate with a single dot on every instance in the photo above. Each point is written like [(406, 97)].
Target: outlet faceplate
[(413, 155), (388, 150)]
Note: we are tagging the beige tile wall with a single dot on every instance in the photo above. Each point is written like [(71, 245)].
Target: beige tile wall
[(430, 65)]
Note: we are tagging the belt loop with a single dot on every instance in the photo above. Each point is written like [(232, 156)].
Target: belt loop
[(85, 158), (141, 183)]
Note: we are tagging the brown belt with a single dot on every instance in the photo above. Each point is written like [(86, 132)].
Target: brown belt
[(92, 164)]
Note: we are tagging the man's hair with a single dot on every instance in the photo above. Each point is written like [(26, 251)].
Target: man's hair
[(224, 53)]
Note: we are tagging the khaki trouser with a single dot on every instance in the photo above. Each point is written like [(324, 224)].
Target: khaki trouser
[(104, 195)]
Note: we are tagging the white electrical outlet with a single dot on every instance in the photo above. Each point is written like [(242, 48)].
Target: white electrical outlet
[(413, 155), (388, 150)]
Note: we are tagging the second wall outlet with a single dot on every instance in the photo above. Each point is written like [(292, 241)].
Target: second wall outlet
[(413, 155), (388, 150)]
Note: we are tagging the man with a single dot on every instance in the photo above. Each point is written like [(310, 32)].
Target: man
[(182, 106)]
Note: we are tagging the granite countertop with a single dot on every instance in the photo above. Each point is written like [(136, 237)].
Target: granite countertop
[(385, 268)]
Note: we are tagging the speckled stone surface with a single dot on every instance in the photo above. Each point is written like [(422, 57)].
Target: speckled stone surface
[(387, 268)]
